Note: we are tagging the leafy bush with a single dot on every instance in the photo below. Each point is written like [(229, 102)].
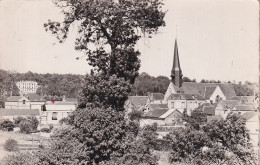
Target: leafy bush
[(11, 145), (25, 126), (28, 124), (17, 120), (7, 125), (20, 158), (47, 130)]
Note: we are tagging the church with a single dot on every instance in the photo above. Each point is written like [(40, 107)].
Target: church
[(201, 92), (180, 97)]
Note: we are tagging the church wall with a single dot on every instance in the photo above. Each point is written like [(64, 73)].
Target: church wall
[(216, 93)]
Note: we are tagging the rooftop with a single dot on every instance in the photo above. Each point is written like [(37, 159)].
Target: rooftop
[(19, 112)]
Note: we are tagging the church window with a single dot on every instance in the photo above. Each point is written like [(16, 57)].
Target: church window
[(23, 101)]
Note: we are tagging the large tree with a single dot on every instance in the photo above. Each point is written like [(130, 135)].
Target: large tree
[(107, 33)]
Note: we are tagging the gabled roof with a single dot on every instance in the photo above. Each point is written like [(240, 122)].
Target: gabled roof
[(244, 98), (244, 108), (35, 97), (181, 96), (209, 91), (155, 96), (225, 104), (137, 100), (155, 113), (156, 110), (19, 112), (14, 98), (208, 110), (170, 111), (60, 103), (200, 88), (249, 115)]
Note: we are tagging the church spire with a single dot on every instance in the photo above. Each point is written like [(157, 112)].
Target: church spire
[(176, 68)]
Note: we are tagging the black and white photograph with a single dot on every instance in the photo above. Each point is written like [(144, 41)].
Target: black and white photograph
[(129, 82)]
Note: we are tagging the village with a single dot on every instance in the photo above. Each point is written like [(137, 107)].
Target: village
[(215, 100)]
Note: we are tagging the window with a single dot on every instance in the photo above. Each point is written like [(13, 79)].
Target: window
[(172, 104), (182, 104), (54, 115), (23, 101)]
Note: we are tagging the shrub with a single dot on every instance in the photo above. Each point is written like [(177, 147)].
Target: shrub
[(47, 130), (34, 123), (50, 126), (20, 158), (25, 126), (11, 145), (7, 125), (29, 124), (17, 120)]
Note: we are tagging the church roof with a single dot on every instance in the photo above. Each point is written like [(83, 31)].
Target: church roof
[(209, 91), (182, 96), (200, 88)]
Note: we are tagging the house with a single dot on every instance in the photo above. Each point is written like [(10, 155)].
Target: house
[(183, 102), (17, 102), (29, 101), (225, 106), (26, 87), (10, 114), (247, 100), (135, 103), (155, 98), (36, 101), (241, 109), (252, 124), (56, 110)]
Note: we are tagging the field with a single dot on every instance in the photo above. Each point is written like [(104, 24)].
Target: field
[(26, 142)]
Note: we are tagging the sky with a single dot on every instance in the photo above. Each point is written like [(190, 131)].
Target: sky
[(217, 40)]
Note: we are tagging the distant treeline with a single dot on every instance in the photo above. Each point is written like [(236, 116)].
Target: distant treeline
[(69, 84)]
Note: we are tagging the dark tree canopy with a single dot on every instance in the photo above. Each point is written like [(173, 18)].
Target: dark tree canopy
[(107, 33)]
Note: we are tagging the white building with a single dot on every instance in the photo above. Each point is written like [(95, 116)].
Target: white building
[(26, 87)]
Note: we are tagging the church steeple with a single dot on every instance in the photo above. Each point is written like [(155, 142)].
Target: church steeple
[(176, 74)]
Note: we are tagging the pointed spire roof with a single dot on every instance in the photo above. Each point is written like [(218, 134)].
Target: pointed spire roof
[(176, 62)]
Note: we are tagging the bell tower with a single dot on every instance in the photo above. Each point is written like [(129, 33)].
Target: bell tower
[(176, 73)]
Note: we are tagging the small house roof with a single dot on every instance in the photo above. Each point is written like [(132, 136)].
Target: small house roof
[(19, 112), (155, 96), (13, 98), (249, 115), (208, 110), (244, 108), (35, 97)]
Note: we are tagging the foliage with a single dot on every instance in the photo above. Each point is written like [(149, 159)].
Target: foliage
[(145, 83), (95, 92), (47, 130), (11, 145), (196, 119), (17, 120), (7, 86), (20, 158), (107, 33), (135, 115), (6, 125), (243, 90), (217, 142), (28, 124)]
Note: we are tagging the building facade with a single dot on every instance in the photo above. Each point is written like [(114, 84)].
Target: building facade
[(26, 87)]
